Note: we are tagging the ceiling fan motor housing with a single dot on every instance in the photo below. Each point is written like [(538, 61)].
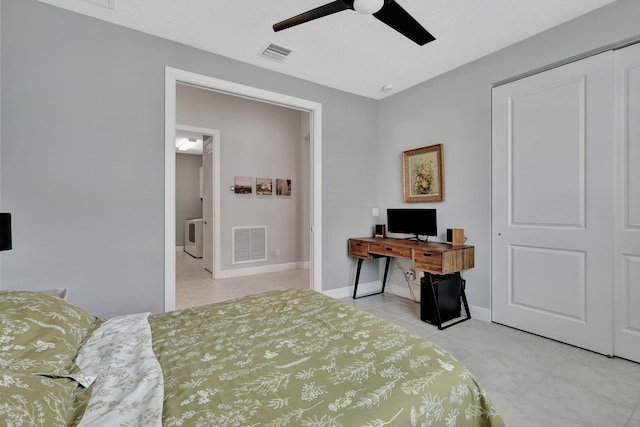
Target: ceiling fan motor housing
[(368, 7)]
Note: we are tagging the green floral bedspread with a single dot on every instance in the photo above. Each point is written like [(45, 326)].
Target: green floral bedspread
[(299, 358)]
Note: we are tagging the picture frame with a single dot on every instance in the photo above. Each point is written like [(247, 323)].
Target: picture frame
[(423, 174), (283, 187), (264, 186), (243, 184)]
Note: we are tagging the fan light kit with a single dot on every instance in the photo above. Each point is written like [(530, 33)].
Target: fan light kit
[(368, 7), (386, 11)]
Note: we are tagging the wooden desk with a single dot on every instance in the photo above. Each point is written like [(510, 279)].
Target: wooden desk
[(430, 257)]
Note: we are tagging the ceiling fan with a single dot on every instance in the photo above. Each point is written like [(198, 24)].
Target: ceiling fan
[(387, 11)]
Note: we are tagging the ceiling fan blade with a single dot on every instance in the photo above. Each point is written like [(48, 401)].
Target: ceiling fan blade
[(399, 19), (318, 12)]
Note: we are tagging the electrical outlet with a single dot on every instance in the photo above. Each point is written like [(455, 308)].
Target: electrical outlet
[(416, 277), (277, 252), (411, 275)]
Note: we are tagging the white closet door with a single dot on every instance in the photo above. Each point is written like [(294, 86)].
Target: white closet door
[(627, 202), (552, 203)]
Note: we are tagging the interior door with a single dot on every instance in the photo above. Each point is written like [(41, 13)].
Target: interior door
[(207, 203), (627, 214), (552, 203)]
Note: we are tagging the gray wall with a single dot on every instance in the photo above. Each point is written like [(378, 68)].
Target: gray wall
[(258, 140), (455, 110), (188, 202), (78, 88), (83, 156)]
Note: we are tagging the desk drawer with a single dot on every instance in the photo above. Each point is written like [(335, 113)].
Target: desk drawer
[(389, 250), (359, 249), (428, 261)]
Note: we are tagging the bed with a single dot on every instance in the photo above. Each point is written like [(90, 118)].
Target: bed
[(282, 358)]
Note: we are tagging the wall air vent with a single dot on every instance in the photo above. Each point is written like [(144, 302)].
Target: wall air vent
[(275, 52), (249, 244)]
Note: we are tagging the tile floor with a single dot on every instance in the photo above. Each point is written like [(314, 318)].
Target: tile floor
[(194, 285), (533, 381)]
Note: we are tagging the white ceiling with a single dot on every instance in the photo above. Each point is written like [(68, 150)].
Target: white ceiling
[(347, 51)]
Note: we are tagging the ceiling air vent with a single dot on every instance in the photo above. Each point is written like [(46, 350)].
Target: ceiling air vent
[(275, 52)]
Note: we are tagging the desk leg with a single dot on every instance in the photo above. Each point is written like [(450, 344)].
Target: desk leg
[(355, 287), (386, 271), (384, 280)]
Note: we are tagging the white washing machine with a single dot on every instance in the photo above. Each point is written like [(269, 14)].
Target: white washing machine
[(193, 237)]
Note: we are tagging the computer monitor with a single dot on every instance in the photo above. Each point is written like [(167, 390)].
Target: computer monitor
[(419, 222)]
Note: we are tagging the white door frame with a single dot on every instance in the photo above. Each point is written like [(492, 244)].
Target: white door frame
[(174, 76), (215, 134)]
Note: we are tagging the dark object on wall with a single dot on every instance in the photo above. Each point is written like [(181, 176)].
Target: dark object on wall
[(5, 231), (387, 11), (447, 289), (380, 231)]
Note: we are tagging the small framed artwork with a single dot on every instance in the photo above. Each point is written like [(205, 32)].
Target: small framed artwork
[(283, 187), (264, 186), (243, 185), (423, 174)]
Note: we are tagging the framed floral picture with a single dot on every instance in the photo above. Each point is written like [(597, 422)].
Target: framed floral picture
[(423, 178)]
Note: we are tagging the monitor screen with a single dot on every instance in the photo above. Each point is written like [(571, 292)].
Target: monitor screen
[(421, 222)]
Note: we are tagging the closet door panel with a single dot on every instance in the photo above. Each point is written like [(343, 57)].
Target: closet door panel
[(627, 205), (543, 156), (552, 203)]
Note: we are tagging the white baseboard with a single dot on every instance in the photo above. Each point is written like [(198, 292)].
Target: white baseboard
[(478, 313), (346, 292), (240, 272), (250, 271)]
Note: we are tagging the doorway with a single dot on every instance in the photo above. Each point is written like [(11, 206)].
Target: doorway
[(175, 76), (209, 193)]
